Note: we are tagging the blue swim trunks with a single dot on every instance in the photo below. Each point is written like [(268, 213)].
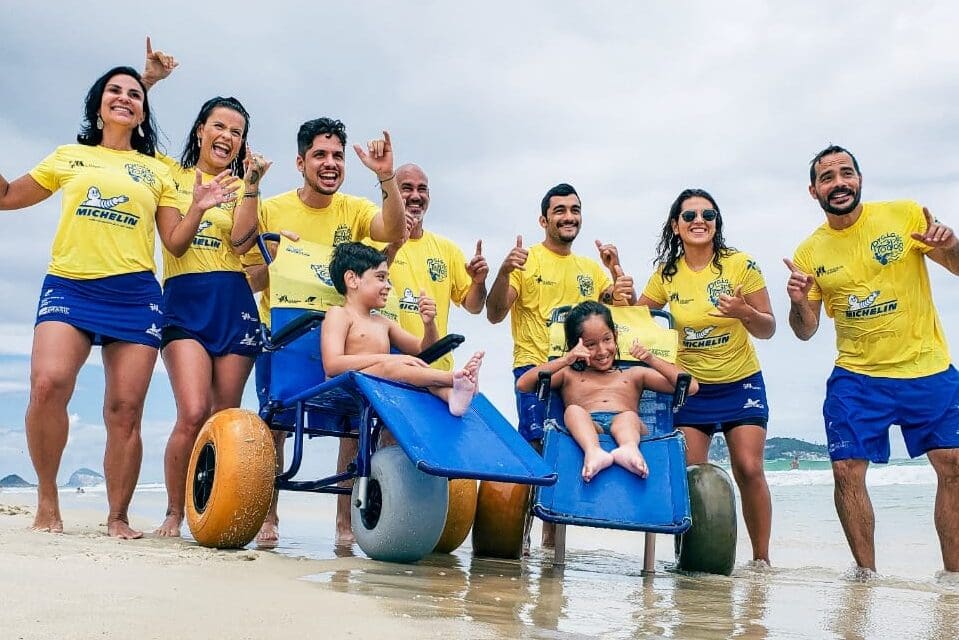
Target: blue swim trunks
[(604, 420), (859, 410), (725, 405), (216, 309), (531, 411), (121, 308)]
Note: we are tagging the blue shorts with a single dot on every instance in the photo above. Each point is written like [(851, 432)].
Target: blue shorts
[(531, 412), (859, 410), (725, 405), (216, 309), (122, 308)]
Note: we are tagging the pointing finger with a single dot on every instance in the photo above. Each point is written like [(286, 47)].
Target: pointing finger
[(519, 242), (479, 247), (789, 265), (149, 47)]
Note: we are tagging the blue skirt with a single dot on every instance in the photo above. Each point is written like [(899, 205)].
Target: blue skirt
[(216, 309), (123, 308)]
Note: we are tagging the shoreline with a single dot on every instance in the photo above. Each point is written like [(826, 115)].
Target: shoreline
[(82, 584)]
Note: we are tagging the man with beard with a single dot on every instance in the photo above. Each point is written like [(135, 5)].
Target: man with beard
[(318, 212), (431, 264), (867, 264), (532, 282)]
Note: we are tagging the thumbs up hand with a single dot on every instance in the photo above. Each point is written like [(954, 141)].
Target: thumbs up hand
[(427, 307), (477, 267), (516, 258)]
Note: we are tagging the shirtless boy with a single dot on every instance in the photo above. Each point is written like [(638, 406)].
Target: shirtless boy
[(603, 398), (354, 338)]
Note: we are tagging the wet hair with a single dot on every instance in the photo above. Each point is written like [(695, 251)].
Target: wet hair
[(91, 136), (670, 247), (318, 127), (828, 151), (191, 150), (578, 315), (562, 190), (353, 256)]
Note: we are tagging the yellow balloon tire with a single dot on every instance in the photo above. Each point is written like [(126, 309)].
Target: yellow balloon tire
[(501, 510), (230, 479), (460, 515)]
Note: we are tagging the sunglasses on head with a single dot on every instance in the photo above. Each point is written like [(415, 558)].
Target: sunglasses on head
[(708, 215)]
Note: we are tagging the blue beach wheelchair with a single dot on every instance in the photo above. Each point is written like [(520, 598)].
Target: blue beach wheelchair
[(695, 504), (400, 494)]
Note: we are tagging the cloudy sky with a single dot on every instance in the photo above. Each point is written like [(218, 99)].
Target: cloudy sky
[(499, 101)]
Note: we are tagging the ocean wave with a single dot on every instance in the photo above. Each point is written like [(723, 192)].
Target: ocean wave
[(876, 476)]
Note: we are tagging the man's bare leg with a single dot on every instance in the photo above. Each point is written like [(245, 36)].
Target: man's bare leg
[(59, 350), (946, 464), (580, 425), (855, 510), (746, 446), (344, 529), (269, 534), (627, 429), (128, 368)]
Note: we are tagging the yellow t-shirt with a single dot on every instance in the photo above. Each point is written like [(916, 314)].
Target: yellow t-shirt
[(108, 218), (436, 265), (873, 282), (210, 249), (348, 218), (713, 349), (548, 281)]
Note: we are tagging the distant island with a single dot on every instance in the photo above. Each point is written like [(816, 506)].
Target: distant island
[(84, 477), (776, 449), (13, 481)]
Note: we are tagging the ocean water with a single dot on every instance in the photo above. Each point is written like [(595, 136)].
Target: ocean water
[(810, 592)]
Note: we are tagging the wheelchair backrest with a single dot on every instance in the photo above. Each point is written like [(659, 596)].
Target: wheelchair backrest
[(632, 323)]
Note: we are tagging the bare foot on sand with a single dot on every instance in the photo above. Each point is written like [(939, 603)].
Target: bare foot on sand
[(269, 535), (120, 528), (465, 383), (170, 527), (629, 457), (595, 459), (48, 519)]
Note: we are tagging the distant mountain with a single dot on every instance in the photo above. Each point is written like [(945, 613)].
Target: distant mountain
[(13, 480), (84, 478), (776, 449)]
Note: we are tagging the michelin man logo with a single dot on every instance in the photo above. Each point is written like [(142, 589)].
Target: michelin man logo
[(96, 199), (856, 304), (887, 248), (692, 334), (204, 225), (409, 302)]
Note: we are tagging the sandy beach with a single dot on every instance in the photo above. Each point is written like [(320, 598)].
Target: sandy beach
[(82, 585)]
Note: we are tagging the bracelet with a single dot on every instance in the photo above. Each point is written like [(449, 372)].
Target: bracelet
[(251, 194), (387, 179)]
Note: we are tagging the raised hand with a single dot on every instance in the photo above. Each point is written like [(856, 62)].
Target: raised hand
[(516, 258), (427, 308), (623, 288), (579, 353), (477, 267), (220, 189), (640, 352), (378, 156), (158, 65), (255, 167), (937, 235), (799, 283), (734, 306), (609, 254)]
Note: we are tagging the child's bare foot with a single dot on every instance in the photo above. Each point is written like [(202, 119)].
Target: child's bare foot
[(595, 459), (170, 527), (465, 383), (629, 457)]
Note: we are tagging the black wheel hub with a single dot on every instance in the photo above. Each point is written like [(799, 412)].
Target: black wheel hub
[(203, 477), (374, 505)]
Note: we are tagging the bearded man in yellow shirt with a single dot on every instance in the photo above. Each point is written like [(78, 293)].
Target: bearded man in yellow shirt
[(867, 266)]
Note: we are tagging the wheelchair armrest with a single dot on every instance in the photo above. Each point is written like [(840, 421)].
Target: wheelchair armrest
[(441, 347), (295, 328)]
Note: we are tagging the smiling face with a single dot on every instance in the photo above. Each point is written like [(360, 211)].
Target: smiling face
[(563, 219), (699, 231), (220, 139), (122, 102), (372, 288), (415, 190), (838, 184), (323, 165), (601, 342)]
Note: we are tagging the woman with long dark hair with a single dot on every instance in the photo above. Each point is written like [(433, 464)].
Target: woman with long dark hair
[(100, 288), (210, 333), (718, 298)]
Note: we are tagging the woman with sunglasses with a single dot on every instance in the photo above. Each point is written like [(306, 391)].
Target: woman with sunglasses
[(210, 331), (718, 299), (100, 288)]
